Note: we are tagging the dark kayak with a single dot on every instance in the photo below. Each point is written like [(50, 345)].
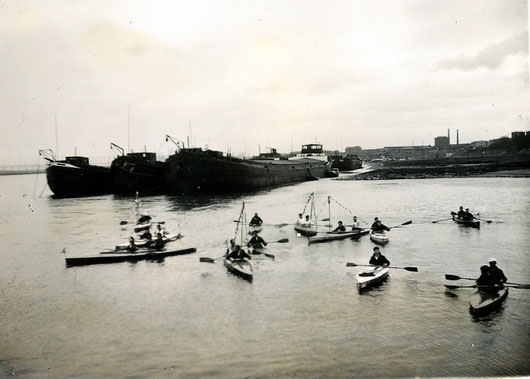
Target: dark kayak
[(239, 267), (472, 223)]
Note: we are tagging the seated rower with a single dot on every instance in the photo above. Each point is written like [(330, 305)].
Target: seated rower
[(461, 213), (497, 275), (256, 220), (307, 221), (160, 230), (132, 245), (340, 228), (144, 219), (378, 227), (468, 215), (485, 278), (300, 219), (378, 259), (231, 247), (356, 224), (238, 254), (159, 242), (146, 236), (256, 241)]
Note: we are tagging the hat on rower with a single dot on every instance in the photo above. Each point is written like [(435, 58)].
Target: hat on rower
[(492, 260)]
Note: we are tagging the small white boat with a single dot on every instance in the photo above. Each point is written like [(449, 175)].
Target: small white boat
[(371, 276), (239, 267), (306, 230), (379, 237), (332, 236)]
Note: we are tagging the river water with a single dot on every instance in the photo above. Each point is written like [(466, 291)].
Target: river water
[(301, 316)]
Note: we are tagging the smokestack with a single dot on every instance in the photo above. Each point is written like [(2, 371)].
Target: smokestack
[(449, 136), (456, 137)]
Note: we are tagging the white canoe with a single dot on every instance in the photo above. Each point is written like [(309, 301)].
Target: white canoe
[(332, 236), (142, 227), (142, 242), (483, 301), (306, 230), (239, 267), (371, 276), (379, 237)]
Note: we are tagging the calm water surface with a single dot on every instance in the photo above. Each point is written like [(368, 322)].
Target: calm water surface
[(301, 316)]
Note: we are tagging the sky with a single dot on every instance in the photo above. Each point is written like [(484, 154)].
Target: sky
[(245, 75)]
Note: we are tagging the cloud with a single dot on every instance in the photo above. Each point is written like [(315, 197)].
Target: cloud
[(491, 57)]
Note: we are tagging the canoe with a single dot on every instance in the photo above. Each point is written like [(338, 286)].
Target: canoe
[(482, 302), (332, 236), (379, 237), (114, 256), (371, 277), (306, 230), (255, 229), (472, 223), (142, 242), (240, 267)]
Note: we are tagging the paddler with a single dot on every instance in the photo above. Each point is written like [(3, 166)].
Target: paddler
[(468, 215), (340, 228), (256, 220), (238, 254), (300, 219), (231, 247), (461, 213), (307, 221), (485, 278), (132, 246), (256, 241), (159, 242), (377, 226), (497, 276), (144, 219), (160, 230), (378, 259), (356, 224)]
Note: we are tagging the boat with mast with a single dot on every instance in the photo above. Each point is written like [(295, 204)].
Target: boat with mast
[(308, 229), (197, 171), (240, 267)]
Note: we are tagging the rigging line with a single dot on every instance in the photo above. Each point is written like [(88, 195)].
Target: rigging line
[(341, 205), (307, 202), (317, 215)]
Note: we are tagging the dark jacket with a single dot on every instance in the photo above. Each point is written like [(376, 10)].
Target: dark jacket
[(238, 254), (485, 280), (256, 240), (256, 220), (497, 276), (380, 261), (379, 227), (340, 228)]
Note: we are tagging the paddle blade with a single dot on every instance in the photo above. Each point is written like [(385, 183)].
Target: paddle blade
[(269, 255), (207, 260), (452, 277), (325, 219), (407, 223), (451, 287), (415, 269), (522, 286), (124, 222), (282, 225), (283, 240), (351, 264)]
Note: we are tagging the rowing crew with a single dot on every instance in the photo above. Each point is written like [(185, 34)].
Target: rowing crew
[(157, 244), (491, 276), (464, 214)]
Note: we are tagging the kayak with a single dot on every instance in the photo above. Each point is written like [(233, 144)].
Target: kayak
[(371, 277), (332, 236), (255, 229), (482, 302), (306, 230), (114, 256), (239, 267), (141, 243), (472, 223), (379, 237), (142, 227)]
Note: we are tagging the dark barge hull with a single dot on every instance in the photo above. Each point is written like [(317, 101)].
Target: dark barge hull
[(125, 257), (346, 163), (67, 180), (138, 172), (195, 171)]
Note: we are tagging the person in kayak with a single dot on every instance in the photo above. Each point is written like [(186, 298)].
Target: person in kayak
[(231, 247), (300, 218), (159, 243), (159, 229), (468, 215), (146, 236), (256, 241), (256, 220), (378, 259), (132, 245), (377, 226), (356, 224), (340, 228), (497, 276), (144, 219), (238, 254), (485, 278), (307, 221), (461, 213)]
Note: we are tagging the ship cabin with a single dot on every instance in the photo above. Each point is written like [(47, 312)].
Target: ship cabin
[(77, 161), (273, 155), (314, 148), (149, 157)]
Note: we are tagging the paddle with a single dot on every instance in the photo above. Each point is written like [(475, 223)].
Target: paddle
[(456, 277), (405, 223), (154, 222), (520, 286), (210, 260), (445, 219), (256, 252), (351, 264)]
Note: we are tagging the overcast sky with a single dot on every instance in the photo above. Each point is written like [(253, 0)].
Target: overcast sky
[(248, 73)]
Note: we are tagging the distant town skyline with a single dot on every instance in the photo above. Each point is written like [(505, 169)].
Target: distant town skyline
[(242, 75)]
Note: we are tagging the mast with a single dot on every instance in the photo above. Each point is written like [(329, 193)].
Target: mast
[(329, 212)]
